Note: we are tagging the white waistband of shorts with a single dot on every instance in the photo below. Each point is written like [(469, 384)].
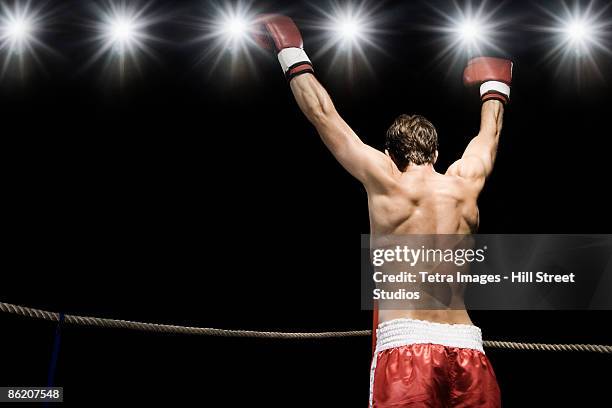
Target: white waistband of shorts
[(403, 332)]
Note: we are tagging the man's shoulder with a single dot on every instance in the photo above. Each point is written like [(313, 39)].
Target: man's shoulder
[(472, 181)]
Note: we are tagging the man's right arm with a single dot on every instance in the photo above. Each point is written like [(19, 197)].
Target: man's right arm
[(370, 166)]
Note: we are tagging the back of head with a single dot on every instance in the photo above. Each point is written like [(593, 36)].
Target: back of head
[(412, 139)]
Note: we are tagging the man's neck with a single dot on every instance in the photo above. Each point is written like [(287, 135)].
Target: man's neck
[(422, 168)]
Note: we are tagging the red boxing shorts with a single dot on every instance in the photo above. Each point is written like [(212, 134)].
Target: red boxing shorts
[(423, 364)]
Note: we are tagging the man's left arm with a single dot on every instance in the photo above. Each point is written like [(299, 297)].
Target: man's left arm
[(494, 76)]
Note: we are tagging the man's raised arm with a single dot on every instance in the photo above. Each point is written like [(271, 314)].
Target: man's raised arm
[(494, 77), (370, 166)]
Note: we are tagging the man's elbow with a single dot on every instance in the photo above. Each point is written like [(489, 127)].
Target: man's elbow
[(490, 133)]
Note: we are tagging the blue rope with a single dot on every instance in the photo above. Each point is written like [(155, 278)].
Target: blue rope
[(55, 354)]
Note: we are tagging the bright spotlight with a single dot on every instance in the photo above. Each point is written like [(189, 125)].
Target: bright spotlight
[(122, 30), (470, 31), (16, 30), (577, 31), (225, 33), (578, 34), (232, 27), (235, 26), (20, 27), (122, 33), (350, 33), (349, 28), (227, 28)]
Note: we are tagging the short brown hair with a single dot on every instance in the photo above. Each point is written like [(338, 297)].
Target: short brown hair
[(411, 139)]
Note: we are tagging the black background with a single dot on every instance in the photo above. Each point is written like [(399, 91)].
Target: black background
[(199, 195)]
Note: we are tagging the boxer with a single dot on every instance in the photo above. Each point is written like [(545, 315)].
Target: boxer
[(423, 358)]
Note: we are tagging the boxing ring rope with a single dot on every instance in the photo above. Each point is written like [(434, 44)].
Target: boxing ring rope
[(204, 331)]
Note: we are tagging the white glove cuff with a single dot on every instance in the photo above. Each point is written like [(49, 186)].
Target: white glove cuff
[(288, 57), (496, 86)]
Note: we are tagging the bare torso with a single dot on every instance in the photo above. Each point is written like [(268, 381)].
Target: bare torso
[(417, 200), (423, 201)]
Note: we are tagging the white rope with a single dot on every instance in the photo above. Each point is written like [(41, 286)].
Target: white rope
[(167, 328)]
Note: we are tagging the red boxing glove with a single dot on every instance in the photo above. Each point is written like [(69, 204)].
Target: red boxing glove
[(278, 32), (494, 75)]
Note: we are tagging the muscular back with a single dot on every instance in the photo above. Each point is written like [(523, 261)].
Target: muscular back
[(414, 201), (422, 201)]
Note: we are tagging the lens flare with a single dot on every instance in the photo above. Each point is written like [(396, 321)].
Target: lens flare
[(236, 27), (576, 36), (20, 29), (349, 32), (224, 35), (466, 31), (349, 29), (122, 31), (122, 34), (579, 34), (470, 31)]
